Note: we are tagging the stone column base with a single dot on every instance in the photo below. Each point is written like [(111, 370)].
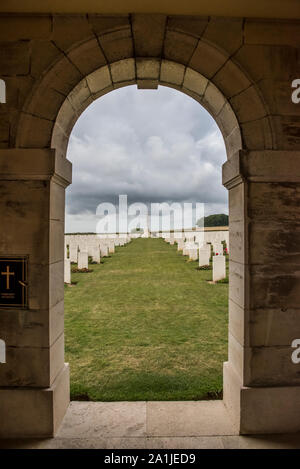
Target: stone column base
[(34, 413), (261, 410)]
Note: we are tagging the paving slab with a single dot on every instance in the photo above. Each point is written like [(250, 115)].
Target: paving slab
[(188, 418)]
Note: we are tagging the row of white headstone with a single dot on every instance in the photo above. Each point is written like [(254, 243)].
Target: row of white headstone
[(203, 253), (79, 248)]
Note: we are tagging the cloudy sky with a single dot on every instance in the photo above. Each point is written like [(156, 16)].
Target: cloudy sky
[(154, 146)]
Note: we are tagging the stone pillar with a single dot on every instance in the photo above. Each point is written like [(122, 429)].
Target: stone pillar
[(34, 381), (261, 383)]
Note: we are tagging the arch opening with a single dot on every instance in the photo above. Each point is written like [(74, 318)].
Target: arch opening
[(185, 171)]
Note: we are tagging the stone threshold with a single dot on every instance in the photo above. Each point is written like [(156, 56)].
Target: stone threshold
[(151, 425)]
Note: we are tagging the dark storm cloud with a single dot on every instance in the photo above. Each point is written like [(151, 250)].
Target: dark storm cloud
[(154, 146)]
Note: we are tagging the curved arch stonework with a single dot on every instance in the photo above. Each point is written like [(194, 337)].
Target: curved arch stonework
[(147, 74), (240, 70), (179, 60)]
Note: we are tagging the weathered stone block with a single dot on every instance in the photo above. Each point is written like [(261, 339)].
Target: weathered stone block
[(107, 23), (35, 132), (4, 131), (227, 119), (233, 142), (124, 70), (147, 68), (14, 58), (237, 321), (271, 244), (34, 412), (273, 32), (237, 241), (271, 366), (56, 279), (69, 30), (275, 286), (148, 34), (261, 409), (193, 25), (248, 106), (264, 61), (277, 94), (43, 54), (283, 199), (57, 202), (87, 57), (179, 47), (31, 27), (27, 328), (238, 282), (99, 80), (207, 59), (32, 366), (117, 45), (273, 327), (62, 77), (57, 229), (195, 82), (46, 103), (79, 95), (171, 72), (231, 80), (258, 135), (213, 100), (227, 33)]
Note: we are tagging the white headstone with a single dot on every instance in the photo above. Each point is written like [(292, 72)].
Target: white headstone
[(103, 250), (96, 254), (218, 249), (204, 256), (180, 244), (219, 268), (67, 275), (73, 253), (193, 253), (111, 246), (83, 260)]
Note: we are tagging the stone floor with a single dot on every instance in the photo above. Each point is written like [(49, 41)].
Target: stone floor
[(151, 425)]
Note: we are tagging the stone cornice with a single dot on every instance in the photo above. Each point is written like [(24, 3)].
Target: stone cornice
[(34, 165), (261, 166)]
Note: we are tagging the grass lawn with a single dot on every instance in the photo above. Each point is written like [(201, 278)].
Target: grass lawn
[(146, 325)]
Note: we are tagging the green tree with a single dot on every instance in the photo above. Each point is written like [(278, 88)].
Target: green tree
[(219, 219)]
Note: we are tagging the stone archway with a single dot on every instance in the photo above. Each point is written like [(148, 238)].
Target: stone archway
[(261, 385)]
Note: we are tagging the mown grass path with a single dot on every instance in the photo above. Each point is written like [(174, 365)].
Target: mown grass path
[(146, 325)]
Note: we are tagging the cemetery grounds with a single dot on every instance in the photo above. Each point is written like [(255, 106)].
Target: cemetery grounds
[(146, 324)]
